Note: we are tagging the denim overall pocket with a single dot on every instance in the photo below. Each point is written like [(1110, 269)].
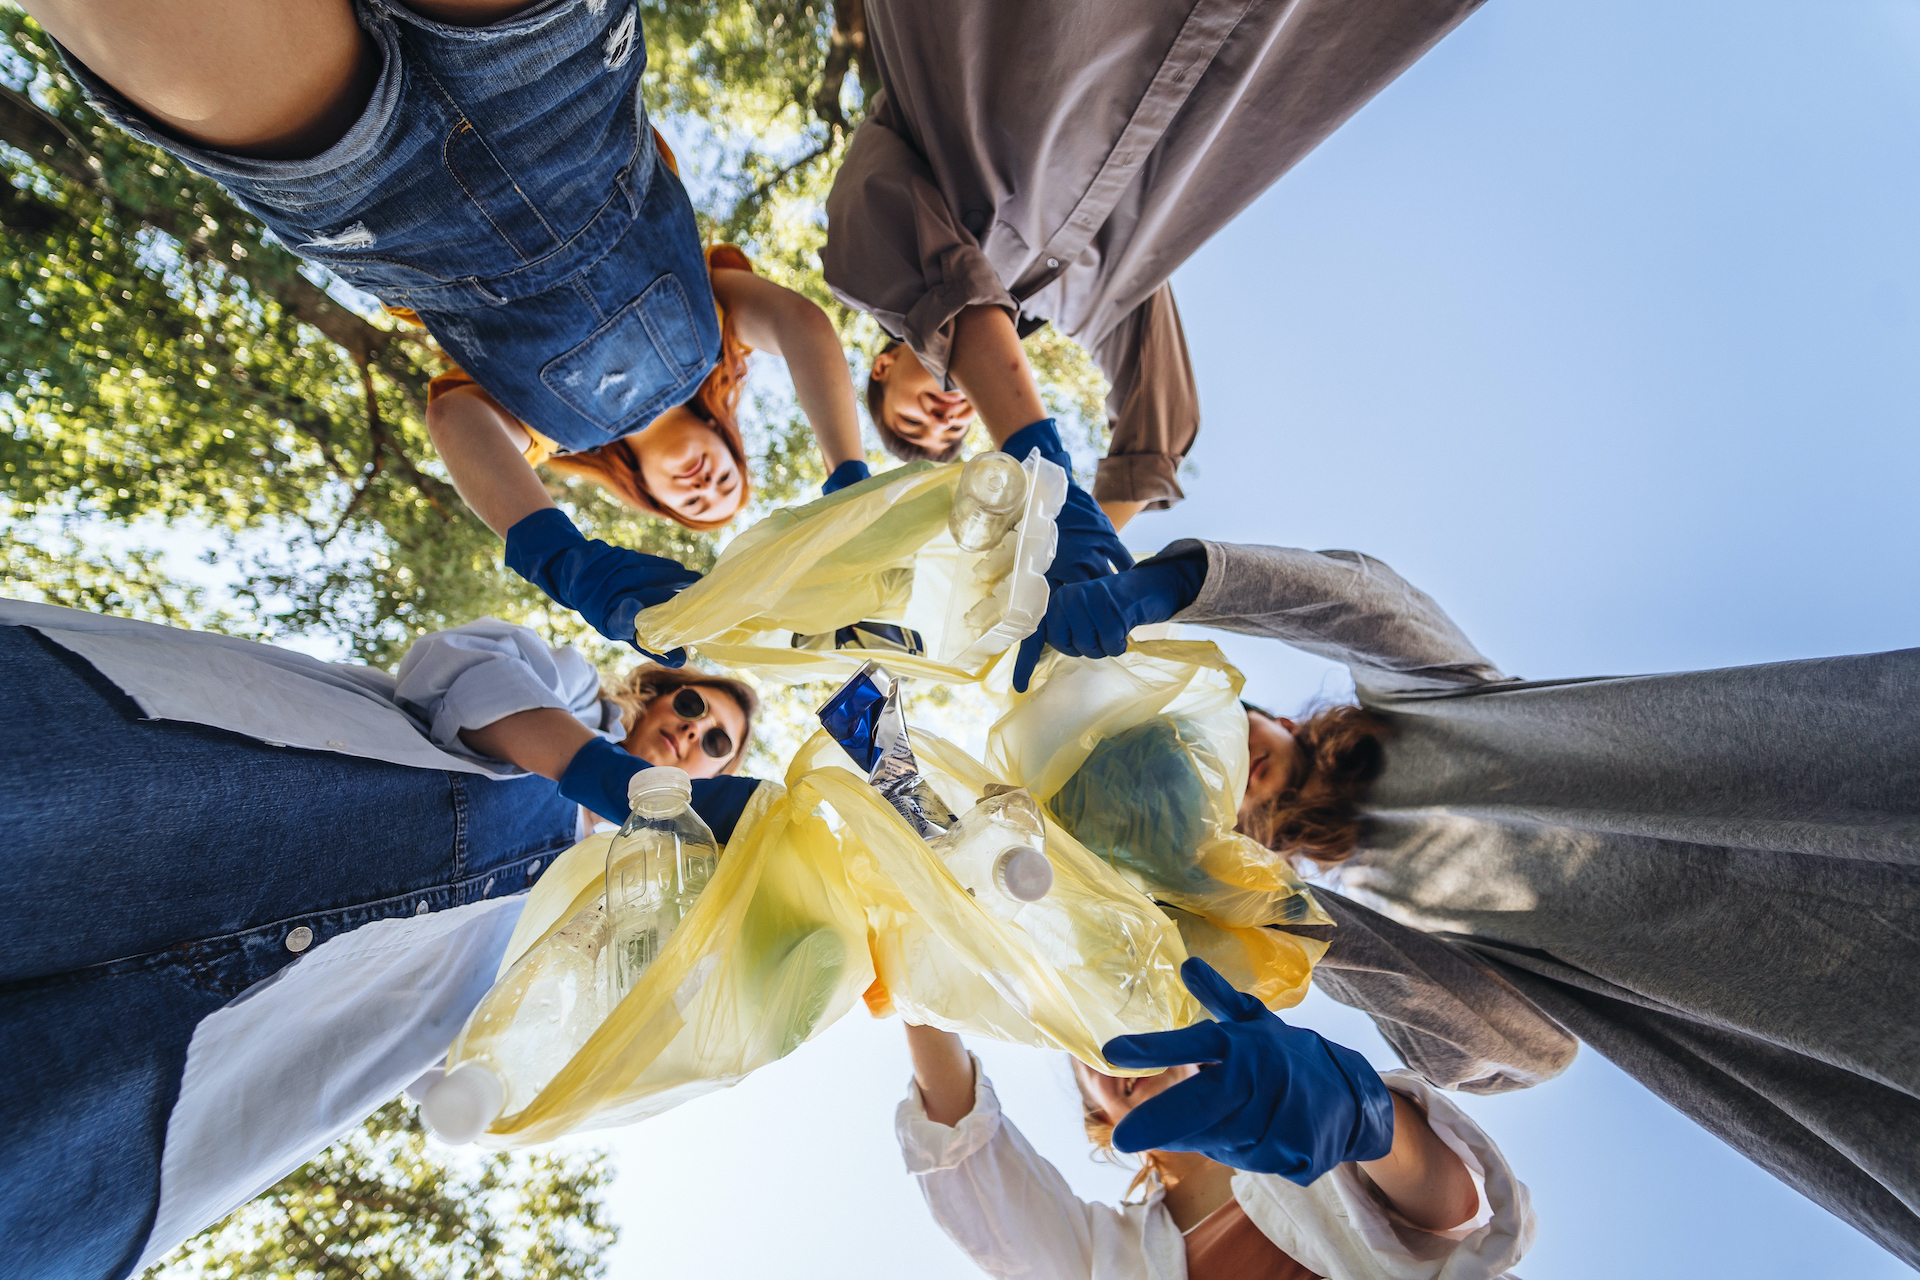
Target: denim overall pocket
[(631, 368)]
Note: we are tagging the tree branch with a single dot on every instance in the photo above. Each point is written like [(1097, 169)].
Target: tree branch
[(847, 44)]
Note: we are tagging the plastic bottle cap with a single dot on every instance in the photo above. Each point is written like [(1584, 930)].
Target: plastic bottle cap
[(1023, 874), (462, 1103), (665, 789)]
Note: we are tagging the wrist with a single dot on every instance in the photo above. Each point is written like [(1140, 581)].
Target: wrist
[(1042, 435), (597, 777), (850, 472), (533, 540)]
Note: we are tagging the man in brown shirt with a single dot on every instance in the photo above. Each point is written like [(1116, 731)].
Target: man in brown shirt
[(1030, 163)]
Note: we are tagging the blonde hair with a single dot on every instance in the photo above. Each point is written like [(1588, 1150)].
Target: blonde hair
[(636, 690), (1100, 1134)]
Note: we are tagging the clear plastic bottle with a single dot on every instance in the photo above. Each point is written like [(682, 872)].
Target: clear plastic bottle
[(994, 851), (658, 864), (993, 489), (526, 1030)]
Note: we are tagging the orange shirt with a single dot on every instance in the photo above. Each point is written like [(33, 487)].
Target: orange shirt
[(720, 257)]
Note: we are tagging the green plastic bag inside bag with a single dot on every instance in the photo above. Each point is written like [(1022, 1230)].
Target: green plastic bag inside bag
[(1143, 758), (810, 591)]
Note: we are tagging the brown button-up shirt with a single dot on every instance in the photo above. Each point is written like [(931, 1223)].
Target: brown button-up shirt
[(1061, 159)]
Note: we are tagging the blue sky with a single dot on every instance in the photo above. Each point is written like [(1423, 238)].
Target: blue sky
[(1600, 325)]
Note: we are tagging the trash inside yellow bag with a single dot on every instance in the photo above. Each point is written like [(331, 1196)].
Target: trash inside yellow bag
[(1143, 758), (784, 939), (786, 596), (1091, 960), (773, 951)]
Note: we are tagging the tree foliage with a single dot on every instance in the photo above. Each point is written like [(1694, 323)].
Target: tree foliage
[(168, 365), (381, 1203)]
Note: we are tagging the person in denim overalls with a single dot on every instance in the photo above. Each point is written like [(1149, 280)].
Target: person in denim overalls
[(487, 167)]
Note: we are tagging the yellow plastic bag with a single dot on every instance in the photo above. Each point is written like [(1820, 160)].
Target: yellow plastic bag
[(783, 941), (1143, 757), (1092, 960), (876, 552), (774, 950)]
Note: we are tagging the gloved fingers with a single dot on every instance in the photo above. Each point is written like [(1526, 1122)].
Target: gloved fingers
[(1219, 996), (1179, 1115), (674, 658), (1024, 661), (1201, 1042), (1094, 625)]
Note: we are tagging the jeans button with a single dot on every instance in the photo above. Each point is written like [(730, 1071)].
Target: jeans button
[(421, 909), (299, 939)]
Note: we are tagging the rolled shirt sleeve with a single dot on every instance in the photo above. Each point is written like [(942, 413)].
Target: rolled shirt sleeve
[(894, 248), (1339, 605), (1013, 1213), (1341, 1227), (471, 676), (1153, 408)]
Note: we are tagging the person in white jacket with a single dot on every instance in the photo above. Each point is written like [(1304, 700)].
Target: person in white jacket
[(1418, 1192)]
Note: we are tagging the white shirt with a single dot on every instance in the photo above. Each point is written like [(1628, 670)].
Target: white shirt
[(1016, 1216), (302, 1057)]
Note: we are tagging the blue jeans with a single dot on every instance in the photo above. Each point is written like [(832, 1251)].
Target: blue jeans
[(153, 871), (503, 182)]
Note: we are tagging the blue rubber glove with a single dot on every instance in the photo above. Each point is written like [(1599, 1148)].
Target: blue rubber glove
[(1092, 619), (1088, 548), (606, 585), (599, 772), (1277, 1099), (853, 471), (597, 777)]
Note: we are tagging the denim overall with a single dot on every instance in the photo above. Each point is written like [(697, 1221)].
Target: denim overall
[(503, 182), (154, 871)]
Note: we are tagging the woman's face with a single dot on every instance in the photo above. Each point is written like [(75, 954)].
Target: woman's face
[(687, 466), (1116, 1096), (1270, 755), (915, 407), (665, 736)]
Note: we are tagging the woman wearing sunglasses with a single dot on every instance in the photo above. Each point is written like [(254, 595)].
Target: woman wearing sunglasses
[(492, 691), (347, 848)]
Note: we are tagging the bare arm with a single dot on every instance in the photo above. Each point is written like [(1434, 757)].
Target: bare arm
[(775, 319), (1421, 1177), (943, 1072), (481, 444), (989, 364), (543, 740)]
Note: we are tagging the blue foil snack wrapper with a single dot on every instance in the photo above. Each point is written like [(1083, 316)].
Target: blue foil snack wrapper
[(864, 717)]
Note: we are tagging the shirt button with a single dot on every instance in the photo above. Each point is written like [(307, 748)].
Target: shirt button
[(336, 744), (299, 939), (1052, 263)]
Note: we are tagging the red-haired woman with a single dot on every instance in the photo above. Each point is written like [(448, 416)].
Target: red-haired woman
[(1711, 877), (487, 167)]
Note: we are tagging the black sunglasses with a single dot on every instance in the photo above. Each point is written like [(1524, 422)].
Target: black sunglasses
[(689, 705)]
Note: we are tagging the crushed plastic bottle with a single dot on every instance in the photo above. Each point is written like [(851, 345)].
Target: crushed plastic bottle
[(657, 866), (556, 994), (994, 851)]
